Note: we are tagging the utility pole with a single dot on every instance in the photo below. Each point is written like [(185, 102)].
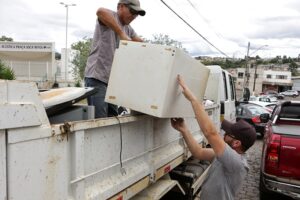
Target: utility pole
[(254, 78), (255, 75), (247, 71), (246, 76)]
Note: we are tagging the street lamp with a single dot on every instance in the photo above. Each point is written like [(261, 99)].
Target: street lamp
[(66, 50), (259, 48)]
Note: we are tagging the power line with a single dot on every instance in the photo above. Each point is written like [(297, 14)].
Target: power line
[(195, 30), (205, 20)]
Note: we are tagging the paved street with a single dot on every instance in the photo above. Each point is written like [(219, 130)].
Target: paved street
[(249, 189)]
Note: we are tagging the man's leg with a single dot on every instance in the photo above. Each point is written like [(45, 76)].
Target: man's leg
[(97, 100)]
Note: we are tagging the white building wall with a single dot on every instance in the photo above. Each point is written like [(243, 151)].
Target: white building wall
[(33, 61), (275, 76), (66, 73), (296, 84)]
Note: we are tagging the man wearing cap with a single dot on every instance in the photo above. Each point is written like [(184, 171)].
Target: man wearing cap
[(229, 165), (111, 27)]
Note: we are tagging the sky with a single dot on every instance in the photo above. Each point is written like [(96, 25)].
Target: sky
[(270, 26)]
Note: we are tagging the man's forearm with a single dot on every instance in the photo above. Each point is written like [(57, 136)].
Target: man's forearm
[(192, 144), (203, 119)]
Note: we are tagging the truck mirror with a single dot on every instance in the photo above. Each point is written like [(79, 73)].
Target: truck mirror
[(264, 118), (246, 94)]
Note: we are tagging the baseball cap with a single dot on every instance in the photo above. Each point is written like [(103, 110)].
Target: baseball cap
[(135, 5), (242, 131)]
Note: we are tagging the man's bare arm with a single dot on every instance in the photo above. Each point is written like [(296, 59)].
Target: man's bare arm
[(106, 17), (195, 148), (205, 123), (137, 39)]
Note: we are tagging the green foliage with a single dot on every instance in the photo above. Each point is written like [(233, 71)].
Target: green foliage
[(227, 63), (293, 68), (275, 60), (4, 38), (287, 60), (164, 40), (6, 72), (77, 83), (80, 59)]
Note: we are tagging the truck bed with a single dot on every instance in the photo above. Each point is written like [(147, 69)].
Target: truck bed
[(110, 158)]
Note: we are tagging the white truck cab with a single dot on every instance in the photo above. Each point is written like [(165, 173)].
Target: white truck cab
[(220, 88)]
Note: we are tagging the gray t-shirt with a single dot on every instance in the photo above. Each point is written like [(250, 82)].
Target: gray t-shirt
[(225, 176), (105, 41)]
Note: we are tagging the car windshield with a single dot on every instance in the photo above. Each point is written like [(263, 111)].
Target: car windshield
[(256, 110), (292, 111)]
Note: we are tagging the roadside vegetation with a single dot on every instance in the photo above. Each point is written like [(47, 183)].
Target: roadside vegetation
[(6, 72), (237, 63)]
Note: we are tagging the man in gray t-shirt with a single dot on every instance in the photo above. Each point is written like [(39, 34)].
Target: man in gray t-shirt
[(111, 27), (229, 166)]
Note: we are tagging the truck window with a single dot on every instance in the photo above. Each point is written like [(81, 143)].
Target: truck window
[(232, 87), (225, 86)]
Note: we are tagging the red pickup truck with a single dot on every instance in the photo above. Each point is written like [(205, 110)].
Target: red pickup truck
[(280, 164)]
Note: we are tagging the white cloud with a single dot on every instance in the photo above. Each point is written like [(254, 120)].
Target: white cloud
[(229, 25)]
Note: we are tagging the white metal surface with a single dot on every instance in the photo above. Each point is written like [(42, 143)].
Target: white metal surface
[(19, 105), (24, 114), (143, 78), (2, 166), (81, 160)]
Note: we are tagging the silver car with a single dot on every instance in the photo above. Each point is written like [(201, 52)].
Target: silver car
[(292, 93)]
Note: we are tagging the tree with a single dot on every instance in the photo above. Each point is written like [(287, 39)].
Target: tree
[(286, 59), (6, 72), (275, 60), (4, 38), (164, 40), (80, 59), (293, 68)]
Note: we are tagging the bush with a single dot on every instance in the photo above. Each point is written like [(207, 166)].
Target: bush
[(6, 72)]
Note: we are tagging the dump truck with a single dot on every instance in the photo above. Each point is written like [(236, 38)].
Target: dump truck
[(72, 155)]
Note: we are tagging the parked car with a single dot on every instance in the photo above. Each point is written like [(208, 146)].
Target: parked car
[(280, 163), (292, 93), (273, 93), (251, 114), (268, 99)]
